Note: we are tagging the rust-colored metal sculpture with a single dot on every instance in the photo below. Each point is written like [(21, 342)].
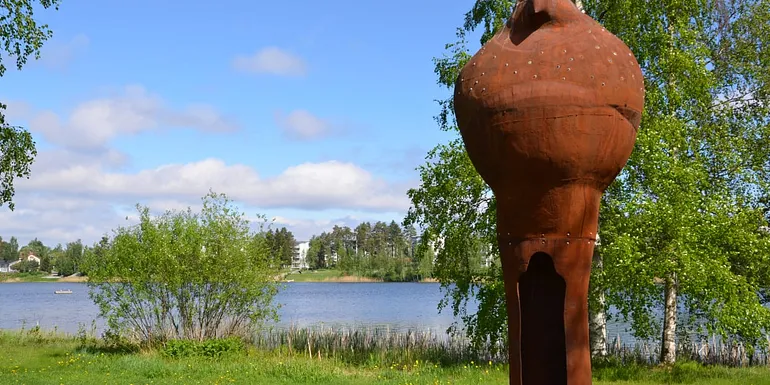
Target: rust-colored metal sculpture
[(548, 110)]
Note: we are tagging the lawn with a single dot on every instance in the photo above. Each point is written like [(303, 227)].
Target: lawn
[(38, 277), (324, 275), (26, 277), (62, 363), (34, 359), (313, 275)]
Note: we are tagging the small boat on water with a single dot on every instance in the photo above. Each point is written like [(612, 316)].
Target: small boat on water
[(68, 291)]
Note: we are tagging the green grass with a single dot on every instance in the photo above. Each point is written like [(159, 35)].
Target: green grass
[(681, 373), (26, 277), (44, 358), (60, 360), (314, 275)]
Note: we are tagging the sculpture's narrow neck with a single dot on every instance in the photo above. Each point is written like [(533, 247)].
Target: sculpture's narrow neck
[(530, 12)]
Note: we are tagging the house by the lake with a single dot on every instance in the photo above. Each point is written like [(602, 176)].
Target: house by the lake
[(31, 257), (6, 267)]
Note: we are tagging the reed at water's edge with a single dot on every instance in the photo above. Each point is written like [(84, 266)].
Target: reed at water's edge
[(382, 346), (361, 346)]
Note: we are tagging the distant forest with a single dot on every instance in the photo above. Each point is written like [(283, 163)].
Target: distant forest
[(385, 251), (380, 250)]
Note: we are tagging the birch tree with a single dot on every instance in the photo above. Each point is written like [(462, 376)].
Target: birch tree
[(20, 37)]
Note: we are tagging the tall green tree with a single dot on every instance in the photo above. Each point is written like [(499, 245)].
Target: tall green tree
[(10, 250), (56, 254), (37, 248), (345, 248), (686, 210), (281, 242), (380, 250), (45, 264), (20, 37), (317, 256)]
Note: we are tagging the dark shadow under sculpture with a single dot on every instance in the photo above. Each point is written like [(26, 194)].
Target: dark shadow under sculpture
[(548, 110)]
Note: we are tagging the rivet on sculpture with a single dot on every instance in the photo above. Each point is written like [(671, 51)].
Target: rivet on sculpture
[(548, 110)]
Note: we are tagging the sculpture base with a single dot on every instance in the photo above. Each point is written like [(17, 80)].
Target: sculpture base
[(546, 273), (546, 289)]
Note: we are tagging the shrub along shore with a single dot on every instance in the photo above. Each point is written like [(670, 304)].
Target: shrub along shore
[(302, 356)]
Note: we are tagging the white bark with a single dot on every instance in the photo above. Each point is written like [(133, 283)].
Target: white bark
[(597, 318), (668, 343)]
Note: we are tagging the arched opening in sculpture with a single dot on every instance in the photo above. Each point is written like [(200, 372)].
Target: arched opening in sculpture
[(543, 341)]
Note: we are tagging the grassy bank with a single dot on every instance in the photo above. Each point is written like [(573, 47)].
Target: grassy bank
[(325, 275), (33, 357), (37, 277), (329, 275), (41, 359)]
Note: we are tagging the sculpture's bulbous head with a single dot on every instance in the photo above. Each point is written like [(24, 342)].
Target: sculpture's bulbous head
[(552, 98)]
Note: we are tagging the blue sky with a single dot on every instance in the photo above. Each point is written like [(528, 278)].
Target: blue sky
[(313, 113)]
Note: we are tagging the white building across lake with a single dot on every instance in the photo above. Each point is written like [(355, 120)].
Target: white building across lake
[(299, 259)]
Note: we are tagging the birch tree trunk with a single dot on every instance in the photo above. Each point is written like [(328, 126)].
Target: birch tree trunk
[(668, 342), (597, 319)]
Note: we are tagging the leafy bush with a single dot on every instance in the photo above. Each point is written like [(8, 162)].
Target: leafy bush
[(26, 266), (185, 275), (213, 348), (180, 348)]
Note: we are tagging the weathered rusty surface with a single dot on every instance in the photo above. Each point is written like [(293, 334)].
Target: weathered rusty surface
[(548, 110)]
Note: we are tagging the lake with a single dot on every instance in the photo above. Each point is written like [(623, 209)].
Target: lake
[(397, 306)]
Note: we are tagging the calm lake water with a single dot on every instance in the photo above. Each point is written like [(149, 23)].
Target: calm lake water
[(398, 306)]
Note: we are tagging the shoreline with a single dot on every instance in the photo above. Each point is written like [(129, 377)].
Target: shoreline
[(43, 280), (336, 276), (345, 279), (351, 279)]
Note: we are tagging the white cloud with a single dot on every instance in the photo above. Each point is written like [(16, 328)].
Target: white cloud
[(58, 54), (310, 186), (77, 198), (56, 219), (271, 60), (94, 123), (77, 193), (302, 125)]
